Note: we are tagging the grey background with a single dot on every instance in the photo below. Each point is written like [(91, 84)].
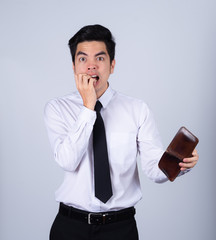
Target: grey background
[(165, 55)]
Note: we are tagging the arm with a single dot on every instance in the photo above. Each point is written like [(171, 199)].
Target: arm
[(149, 146), (69, 143), (150, 149)]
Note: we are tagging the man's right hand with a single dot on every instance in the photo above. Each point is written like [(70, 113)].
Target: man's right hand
[(85, 86)]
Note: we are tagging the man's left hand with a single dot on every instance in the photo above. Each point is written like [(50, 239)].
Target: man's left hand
[(189, 162)]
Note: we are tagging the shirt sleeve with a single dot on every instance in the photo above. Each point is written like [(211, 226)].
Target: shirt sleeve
[(68, 141), (149, 146)]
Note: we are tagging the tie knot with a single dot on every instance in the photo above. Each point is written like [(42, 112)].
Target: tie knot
[(98, 106)]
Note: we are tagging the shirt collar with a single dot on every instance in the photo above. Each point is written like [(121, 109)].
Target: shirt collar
[(106, 97)]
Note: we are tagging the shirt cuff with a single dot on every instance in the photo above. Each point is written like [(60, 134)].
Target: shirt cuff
[(185, 171), (87, 115)]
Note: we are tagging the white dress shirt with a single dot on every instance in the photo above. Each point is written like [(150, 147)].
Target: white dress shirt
[(130, 130)]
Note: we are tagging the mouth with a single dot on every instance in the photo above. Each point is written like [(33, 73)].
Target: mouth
[(96, 77)]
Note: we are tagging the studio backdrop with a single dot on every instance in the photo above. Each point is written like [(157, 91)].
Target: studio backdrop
[(165, 55)]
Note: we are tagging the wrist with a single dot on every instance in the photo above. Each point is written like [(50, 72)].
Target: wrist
[(90, 105)]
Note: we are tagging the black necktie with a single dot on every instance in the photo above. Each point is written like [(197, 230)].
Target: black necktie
[(103, 188)]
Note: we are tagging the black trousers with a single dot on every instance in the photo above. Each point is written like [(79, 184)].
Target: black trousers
[(65, 228)]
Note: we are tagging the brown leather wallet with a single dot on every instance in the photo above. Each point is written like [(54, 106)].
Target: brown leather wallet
[(181, 147)]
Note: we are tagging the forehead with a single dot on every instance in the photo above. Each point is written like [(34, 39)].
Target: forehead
[(91, 47)]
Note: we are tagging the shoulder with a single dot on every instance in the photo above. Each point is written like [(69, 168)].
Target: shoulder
[(131, 107), (72, 98), (131, 102), (57, 103)]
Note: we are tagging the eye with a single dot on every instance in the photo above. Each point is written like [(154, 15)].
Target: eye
[(82, 59), (100, 58)]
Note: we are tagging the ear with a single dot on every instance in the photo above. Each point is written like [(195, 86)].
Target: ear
[(73, 66), (112, 66)]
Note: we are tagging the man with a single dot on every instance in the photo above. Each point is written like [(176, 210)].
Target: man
[(92, 207)]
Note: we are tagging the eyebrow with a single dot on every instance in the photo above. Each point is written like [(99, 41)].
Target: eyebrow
[(98, 54), (81, 53)]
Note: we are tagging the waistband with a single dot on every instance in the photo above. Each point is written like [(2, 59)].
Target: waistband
[(96, 218)]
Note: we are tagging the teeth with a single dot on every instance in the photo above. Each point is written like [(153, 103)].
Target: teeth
[(95, 76)]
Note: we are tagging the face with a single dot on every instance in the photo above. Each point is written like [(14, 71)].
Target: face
[(93, 59)]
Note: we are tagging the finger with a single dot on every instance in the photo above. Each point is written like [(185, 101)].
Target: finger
[(76, 80), (189, 160), (85, 80), (194, 157), (92, 81), (194, 153), (187, 165), (81, 80)]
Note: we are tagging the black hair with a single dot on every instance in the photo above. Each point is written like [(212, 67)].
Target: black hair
[(93, 33)]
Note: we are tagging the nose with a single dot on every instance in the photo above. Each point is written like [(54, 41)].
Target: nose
[(91, 67)]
